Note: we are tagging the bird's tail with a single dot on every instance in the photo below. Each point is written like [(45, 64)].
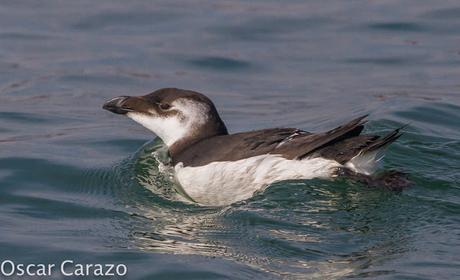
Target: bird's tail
[(369, 159)]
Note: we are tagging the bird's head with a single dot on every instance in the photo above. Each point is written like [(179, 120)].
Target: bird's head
[(176, 116)]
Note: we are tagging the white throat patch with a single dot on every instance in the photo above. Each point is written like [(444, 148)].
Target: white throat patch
[(170, 129)]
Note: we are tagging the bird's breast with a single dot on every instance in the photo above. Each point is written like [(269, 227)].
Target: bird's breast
[(225, 182)]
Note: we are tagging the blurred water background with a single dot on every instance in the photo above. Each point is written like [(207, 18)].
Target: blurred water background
[(77, 182)]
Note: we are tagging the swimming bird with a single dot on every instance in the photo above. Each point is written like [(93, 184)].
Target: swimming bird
[(216, 168)]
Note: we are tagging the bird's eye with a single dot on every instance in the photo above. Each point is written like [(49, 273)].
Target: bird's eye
[(164, 106)]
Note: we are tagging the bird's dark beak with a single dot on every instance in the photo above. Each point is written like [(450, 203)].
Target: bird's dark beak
[(118, 105)]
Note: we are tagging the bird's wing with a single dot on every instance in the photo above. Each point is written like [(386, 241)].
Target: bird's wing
[(235, 146), (340, 144)]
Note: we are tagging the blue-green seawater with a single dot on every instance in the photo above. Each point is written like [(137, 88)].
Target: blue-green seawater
[(79, 183)]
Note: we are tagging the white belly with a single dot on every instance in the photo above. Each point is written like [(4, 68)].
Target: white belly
[(222, 183)]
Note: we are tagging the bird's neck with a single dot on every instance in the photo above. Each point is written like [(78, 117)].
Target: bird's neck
[(212, 129)]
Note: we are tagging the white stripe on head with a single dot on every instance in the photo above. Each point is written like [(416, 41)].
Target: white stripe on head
[(172, 128)]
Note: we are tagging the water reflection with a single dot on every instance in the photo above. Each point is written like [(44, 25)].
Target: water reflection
[(295, 228)]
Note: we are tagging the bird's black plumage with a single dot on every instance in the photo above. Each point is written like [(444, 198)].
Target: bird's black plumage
[(340, 144)]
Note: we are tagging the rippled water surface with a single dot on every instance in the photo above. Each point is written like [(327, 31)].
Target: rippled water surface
[(79, 183)]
